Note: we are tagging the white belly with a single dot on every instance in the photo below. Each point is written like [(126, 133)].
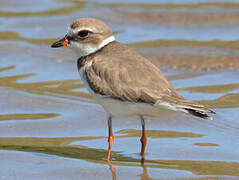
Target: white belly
[(119, 108)]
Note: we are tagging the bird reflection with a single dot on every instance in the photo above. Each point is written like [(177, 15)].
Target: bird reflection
[(112, 169), (143, 176)]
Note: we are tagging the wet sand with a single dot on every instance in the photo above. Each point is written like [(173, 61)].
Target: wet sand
[(51, 128)]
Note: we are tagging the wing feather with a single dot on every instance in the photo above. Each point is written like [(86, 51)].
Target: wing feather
[(134, 80), (127, 76)]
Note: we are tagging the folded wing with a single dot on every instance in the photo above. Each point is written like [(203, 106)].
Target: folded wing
[(137, 80)]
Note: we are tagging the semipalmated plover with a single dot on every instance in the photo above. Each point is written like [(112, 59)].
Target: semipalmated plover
[(121, 80)]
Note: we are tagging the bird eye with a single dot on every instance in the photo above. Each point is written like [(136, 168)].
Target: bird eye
[(83, 33)]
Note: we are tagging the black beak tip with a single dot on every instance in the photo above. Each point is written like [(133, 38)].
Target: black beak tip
[(60, 43), (56, 44)]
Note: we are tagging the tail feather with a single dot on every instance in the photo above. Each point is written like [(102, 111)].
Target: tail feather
[(200, 113), (195, 109), (180, 104)]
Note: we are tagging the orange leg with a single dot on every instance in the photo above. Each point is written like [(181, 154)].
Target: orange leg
[(110, 138), (143, 139)]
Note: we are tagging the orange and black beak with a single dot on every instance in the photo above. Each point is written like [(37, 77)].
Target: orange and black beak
[(62, 42)]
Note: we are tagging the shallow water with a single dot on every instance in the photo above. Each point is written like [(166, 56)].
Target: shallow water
[(51, 128)]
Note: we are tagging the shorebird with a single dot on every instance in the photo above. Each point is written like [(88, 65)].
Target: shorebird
[(121, 80)]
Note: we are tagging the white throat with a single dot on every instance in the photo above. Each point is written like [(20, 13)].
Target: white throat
[(86, 49)]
